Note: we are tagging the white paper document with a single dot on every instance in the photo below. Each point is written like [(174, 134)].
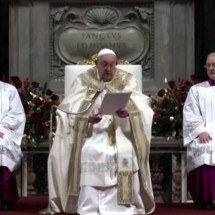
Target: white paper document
[(112, 102)]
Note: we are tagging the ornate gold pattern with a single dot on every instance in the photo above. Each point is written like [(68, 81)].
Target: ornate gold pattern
[(141, 144), (90, 61), (81, 124), (93, 59), (125, 187), (112, 133)]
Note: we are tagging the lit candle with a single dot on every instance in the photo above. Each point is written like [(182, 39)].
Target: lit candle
[(165, 80)]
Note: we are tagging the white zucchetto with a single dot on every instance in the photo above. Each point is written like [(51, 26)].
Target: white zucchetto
[(106, 51)]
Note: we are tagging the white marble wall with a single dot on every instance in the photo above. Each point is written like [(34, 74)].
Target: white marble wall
[(174, 40)]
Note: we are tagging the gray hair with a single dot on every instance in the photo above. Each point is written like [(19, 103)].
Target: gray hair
[(211, 54)]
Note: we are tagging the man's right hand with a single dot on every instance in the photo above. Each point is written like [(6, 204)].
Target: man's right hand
[(205, 137), (94, 118)]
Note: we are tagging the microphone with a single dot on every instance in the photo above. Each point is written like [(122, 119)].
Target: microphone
[(98, 92)]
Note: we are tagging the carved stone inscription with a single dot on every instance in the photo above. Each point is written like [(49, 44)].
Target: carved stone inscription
[(78, 44), (79, 33)]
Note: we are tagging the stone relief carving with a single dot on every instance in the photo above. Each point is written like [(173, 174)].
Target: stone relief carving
[(101, 16), (78, 33)]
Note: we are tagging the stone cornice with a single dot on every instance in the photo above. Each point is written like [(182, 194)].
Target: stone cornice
[(83, 1)]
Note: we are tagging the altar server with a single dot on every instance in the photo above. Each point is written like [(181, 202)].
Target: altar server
[(12, 123), (199, 138)]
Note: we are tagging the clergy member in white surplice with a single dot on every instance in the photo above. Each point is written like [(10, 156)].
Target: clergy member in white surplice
[(12, 123), (199, 137), (99, 164)]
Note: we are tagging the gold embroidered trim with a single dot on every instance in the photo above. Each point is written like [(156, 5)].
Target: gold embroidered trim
[(112, 133), (80, 130), (141, 144), (81, 124), (125, 187)]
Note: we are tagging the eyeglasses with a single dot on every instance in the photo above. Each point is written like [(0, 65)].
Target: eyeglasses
[(207, 66), (106, 65)]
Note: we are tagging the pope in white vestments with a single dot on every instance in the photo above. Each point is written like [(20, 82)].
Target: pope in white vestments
[(199, 137), (99, 164)]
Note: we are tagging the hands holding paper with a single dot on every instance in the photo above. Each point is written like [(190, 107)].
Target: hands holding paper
[(96, 118), (112, 104)]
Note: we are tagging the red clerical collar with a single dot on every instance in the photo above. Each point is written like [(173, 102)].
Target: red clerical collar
[(211, 82)]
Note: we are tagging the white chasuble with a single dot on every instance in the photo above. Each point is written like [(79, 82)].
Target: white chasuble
[(98, 158), (199, 116)]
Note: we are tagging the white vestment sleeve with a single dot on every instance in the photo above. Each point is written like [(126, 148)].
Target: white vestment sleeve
[(193, 122), (13, 119), (12, 124)]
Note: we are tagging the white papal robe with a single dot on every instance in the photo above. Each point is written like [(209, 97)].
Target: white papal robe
[(12, 124), (110, 175), (199, 116)]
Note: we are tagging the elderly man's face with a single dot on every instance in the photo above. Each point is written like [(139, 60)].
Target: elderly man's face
[(210, 66), (106, 65)]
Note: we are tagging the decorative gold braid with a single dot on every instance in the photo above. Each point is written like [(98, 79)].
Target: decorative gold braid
[(93, 59), (140, 140), (90, 61), (112, 133), (124, 187), (80, 129), (125, 178), (132, 108), (80, 124)]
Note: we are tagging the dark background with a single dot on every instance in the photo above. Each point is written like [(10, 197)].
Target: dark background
[(204, 34), (4, 37)]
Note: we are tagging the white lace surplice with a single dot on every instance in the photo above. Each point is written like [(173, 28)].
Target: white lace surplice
[(199, 116), (12, 122)]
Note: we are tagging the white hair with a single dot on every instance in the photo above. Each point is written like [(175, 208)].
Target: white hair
[(211, 54), (105, 51)]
